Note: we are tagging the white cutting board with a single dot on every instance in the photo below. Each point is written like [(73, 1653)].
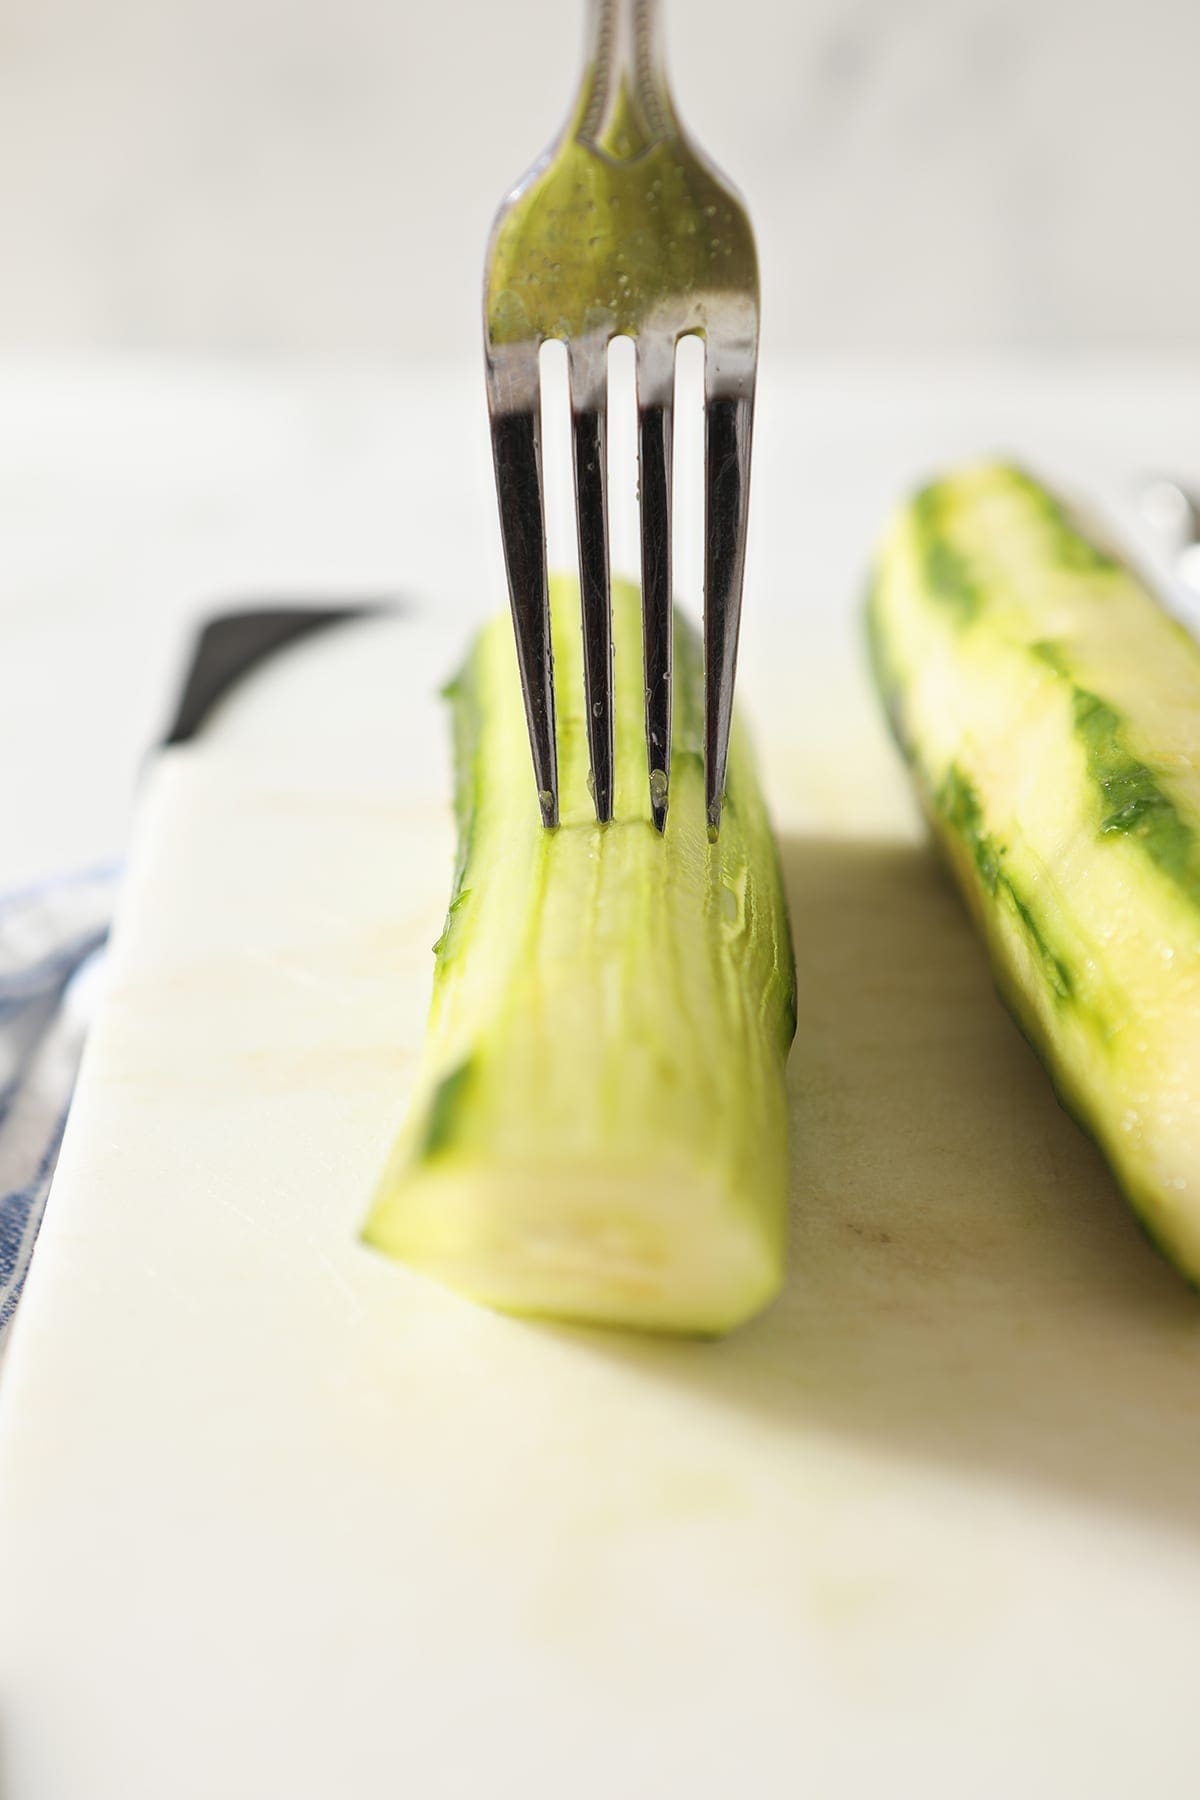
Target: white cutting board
[(280, 1519)]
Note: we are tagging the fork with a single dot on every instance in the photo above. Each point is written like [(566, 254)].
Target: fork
[(622, 228)]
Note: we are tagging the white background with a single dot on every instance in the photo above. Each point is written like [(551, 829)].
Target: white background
[(319, 174), (200, 197)]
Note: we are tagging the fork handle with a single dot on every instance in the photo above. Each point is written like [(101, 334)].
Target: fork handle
[(624, 102)]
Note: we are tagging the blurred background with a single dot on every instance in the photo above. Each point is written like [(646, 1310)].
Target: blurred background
[(239, 310), (318, 175)]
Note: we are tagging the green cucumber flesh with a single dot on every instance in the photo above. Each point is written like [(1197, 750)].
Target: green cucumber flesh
[(1049, 709), (598, 1130)]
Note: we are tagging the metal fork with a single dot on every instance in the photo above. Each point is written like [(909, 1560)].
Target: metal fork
[(623, 229)]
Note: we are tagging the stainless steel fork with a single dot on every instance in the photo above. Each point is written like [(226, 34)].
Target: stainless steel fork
[(623, 229)]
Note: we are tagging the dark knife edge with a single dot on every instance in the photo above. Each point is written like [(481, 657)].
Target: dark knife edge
[(231, 645)]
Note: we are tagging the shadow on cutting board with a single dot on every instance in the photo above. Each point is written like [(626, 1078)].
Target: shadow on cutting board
[(965, 1283)]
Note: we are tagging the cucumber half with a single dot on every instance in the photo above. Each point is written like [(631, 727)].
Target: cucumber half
[(1049, 709), (599, 1129)]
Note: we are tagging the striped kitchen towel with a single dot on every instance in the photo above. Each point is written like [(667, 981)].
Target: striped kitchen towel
[(51, 944)]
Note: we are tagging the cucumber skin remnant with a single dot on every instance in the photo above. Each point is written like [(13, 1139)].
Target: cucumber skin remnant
[(598, 1130), (1049, 712)]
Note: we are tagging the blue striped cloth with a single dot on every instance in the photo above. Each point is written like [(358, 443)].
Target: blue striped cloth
[(51, 944)]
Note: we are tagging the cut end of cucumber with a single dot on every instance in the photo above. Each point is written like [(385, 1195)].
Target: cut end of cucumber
[(573, 1245)]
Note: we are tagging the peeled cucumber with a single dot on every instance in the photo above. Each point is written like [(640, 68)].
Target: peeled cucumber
[(1049, 710), (598, 1130)]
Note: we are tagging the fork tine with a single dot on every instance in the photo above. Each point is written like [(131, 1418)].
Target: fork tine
[(513, 388), (728, 424), (655, 377), (589, 419)]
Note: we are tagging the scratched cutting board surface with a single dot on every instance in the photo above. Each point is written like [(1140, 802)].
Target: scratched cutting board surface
[(281, 1518)]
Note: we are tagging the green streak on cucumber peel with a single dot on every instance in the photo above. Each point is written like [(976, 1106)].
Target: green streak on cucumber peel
[(958, 805), (1132, 799), (1049, 711), (945, 570), (598, 1127)]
